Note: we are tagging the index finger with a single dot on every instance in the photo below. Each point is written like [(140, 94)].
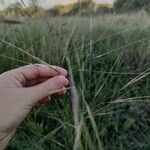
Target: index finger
[(31, 72)]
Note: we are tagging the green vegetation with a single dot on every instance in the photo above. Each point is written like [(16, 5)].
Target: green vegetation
[(132, 5), (84, 8), (81, 8), (109, 57), (17, 11)]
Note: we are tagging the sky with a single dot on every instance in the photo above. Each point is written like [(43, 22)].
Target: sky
[(46, 3)]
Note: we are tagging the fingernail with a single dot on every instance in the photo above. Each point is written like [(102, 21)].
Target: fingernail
[(63, 80)]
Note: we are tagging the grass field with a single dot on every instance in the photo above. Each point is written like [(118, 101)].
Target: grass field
[(110, 59)]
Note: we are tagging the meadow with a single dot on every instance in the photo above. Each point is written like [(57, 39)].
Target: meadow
[(110, 61)]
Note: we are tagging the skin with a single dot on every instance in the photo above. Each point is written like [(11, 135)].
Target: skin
[(23, 88)]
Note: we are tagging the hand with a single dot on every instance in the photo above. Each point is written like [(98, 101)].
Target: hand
[(22, 88)]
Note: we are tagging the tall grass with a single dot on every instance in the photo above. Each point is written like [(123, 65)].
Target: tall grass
[(109, 60)]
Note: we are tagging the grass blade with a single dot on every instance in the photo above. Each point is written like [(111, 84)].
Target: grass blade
[(74, 96)]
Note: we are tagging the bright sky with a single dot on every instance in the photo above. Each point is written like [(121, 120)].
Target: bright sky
[(46, 3)]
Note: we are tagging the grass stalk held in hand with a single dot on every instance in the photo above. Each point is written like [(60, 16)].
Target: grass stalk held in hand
[(74, 96), (57, 91)]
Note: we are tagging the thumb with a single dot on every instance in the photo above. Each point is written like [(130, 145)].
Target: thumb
[(46, 88)]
